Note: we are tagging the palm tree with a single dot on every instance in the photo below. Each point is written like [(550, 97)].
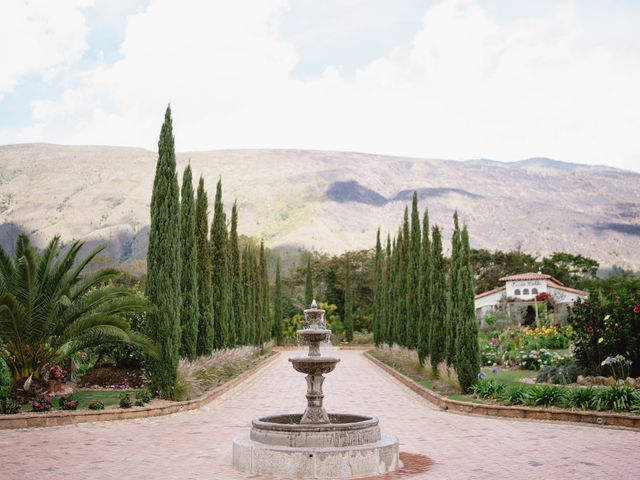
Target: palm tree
[(49, 310)]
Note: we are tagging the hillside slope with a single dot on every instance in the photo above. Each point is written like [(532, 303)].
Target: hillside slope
[(329, 201)]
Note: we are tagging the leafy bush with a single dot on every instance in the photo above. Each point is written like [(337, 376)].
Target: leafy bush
[(42, 404), (559, 374), (96, 405), (535, 359), (607, 325), (545, 396), (615, 397), (9, 406), (580, 397), (68, 403), (125, 401), (513, 394), (547, 337), (487, 388), (144, 395)]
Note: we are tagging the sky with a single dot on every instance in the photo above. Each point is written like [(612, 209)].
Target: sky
[(452, 79)]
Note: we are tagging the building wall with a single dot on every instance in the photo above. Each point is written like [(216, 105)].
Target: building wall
[(532, 288)]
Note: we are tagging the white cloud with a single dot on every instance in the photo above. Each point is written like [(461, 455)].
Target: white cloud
[(40, 37), (468, 86)]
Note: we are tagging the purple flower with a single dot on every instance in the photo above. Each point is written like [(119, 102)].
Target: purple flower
[(480, 375), (494, 341)]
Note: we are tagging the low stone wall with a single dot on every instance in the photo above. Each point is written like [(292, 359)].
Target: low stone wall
[(518, 412), (61, 417)]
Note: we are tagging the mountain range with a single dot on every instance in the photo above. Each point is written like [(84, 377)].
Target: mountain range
[(324, 200)]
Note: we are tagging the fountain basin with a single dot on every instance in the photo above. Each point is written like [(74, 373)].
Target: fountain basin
[(351, 446), (313, 335), (314, 365), (343, 430)]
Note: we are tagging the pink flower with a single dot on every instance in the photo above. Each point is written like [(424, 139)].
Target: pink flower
[(494, 341), (636, 309), (616, 302), (589, 329)]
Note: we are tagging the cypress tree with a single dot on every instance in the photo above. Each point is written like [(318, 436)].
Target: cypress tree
[(424, 323), (249, 298), (239, 326), (348, 302), (263, 287), (218, 272), (205, 306), (378, 304), (398, 291), (257, 298), (467, 359), (277, 306), (403, 311), (308, 286), (387, 293), (189, 278), (413, 277), (164, 265), (438, 289), (455, 306)]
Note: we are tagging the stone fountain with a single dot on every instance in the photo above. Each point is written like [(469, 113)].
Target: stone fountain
[(315, 444)]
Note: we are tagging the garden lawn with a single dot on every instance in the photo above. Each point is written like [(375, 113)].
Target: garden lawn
[(508, 376)]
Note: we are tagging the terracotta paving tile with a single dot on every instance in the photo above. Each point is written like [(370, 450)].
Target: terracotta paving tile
[(197, 444)]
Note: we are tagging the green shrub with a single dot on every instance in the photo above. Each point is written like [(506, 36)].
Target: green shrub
[(9, 406), (96, 405), (580, 397), (615, 397), (535, 359), (68, 403), (144, 396), (487, 388), (559, 374), (544, 396), (513, 395), (125, 401), (608, 325)]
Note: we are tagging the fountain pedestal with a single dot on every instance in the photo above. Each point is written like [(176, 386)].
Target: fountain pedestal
[(315, 444)]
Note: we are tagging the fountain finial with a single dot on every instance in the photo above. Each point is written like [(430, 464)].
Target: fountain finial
[(314, 304)]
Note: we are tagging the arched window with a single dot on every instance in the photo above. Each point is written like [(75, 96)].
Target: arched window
[(525, 291), (516, 291), (534, 291)]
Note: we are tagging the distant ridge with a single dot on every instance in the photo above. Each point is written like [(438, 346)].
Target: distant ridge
[(328, 201)]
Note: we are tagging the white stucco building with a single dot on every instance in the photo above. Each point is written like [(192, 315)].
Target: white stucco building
[(523, 289)]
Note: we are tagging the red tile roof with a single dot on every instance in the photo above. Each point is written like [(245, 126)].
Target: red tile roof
[(484, 294), (567, 289), (530, 276)]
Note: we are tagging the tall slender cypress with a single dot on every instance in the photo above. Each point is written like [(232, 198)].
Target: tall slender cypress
[(308, 285), (249, 297), (438, 288), (164, 266), (413, 277), (388, 294), (189, 278), (239, 326), (205, 305), (467, 359), (263, 287), (218, 271), (424, 323), (455, 295), (277, 306), (348, 301), (378, 304)]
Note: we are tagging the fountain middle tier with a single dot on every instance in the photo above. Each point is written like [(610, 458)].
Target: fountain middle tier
[(314, 365)]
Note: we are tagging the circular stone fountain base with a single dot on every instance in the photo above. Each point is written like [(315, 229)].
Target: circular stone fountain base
[(350, 446)]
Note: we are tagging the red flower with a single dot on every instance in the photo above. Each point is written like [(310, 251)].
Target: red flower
[(616, 302), (589, 329), (636, 309)]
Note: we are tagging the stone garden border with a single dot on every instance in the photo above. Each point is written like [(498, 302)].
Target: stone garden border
[(517, 412), (61, 417)]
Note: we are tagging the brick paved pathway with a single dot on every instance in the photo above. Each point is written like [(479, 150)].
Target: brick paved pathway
[(197, 444)]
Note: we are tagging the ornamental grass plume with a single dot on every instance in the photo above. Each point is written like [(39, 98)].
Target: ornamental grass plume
[(207, 371)]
